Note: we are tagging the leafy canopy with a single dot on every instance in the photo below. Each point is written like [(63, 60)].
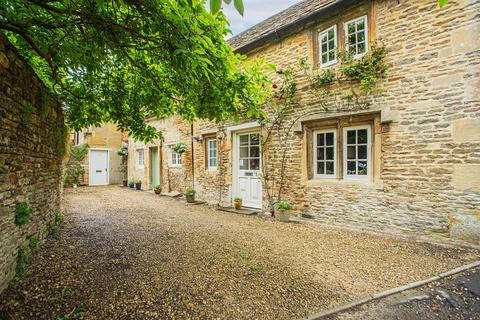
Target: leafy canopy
[(124, 61)]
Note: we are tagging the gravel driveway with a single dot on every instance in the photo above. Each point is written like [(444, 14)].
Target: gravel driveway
[(125, 254)]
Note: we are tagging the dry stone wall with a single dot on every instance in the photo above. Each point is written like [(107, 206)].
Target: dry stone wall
[(32, 140)]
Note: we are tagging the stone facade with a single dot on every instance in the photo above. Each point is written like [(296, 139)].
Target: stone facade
[(106, 137), (424, 148), (32, 144)]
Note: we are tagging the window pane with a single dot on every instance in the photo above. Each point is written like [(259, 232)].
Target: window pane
[(320, 167), (361, 37), (331, 56), (243, 139), (362, 136), (320, 154), (254, 164), (362, 152), (361, 25), (351, 136), (330, 34), (329, 137), (329, 153), (331, 44), (351, 152), (255, 139), (351, 27), (324, 47), (362, 168), (243, 164), (352, 39), (244, 152), (350, 167), (324, 58), (329, 167), (361, 48), (254, 151), (324, 38), (320, 139)]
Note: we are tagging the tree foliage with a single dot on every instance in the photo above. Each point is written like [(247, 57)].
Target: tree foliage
[(124, 61)]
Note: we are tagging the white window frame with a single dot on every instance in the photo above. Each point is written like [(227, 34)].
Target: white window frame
[(366, 177), (345, 28), (335, 156), (142, 163), (208, 154), (177, 162), (335, 38)]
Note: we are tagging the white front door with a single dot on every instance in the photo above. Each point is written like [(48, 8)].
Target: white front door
[(98, 167), (247, 169)]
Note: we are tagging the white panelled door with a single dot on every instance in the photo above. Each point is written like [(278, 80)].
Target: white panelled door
[(98, 167), (247, 169)]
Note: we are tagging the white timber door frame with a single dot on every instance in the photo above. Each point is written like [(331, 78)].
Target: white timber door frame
[(91, 166), (252, 197)]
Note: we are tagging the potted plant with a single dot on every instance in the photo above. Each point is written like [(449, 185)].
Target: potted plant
[(190, 194), (237, 203), (157, 189), (282, 211), (125, 182), (138, 185), (179, 147), (131, 183)]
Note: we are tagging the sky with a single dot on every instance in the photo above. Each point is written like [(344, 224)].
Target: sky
[(255, 11)]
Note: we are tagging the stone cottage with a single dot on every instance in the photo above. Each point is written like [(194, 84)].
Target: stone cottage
[(102, 164), (409, 164)]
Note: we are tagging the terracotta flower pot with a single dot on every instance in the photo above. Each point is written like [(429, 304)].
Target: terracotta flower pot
[(238, 204), (125, 183), (157, 191), (282, 215)]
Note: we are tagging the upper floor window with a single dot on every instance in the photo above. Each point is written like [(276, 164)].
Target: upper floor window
[(212, 153), (175, 158), (356, 36), (141, 157), (325, 154), (357, 146), (328, 46)]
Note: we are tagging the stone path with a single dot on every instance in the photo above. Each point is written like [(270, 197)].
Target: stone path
[(125, 254)]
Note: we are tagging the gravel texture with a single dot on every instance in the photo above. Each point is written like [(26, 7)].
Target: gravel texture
[(453, 298), (125, 254)]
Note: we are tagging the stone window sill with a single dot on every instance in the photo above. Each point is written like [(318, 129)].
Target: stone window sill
[(342, 182)]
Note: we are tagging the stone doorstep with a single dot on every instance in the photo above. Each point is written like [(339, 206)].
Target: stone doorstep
[(245, 211), (196, 202), (392, 291)]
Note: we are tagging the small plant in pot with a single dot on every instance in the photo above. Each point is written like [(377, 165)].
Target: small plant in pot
[(282, 211), (190, 194), (157, 189), (138, 185), (131, 183), (237, 203)]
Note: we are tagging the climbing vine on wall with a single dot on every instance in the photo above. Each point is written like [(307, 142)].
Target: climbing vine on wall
[(353, 85)]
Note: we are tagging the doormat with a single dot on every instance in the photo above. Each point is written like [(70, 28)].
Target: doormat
[(245, 211)]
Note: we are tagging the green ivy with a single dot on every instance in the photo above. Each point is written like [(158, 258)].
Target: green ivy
[(22, 213), (23, 259), (33, 243)]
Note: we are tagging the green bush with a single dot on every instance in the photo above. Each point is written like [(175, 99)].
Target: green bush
[(284, 205), (59, 217), (33, 243), (157, 187), (22, 213), (23, 258), (190, 191), (73, 170)]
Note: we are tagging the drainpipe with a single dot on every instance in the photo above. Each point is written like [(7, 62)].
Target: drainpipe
[(193, 156)]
